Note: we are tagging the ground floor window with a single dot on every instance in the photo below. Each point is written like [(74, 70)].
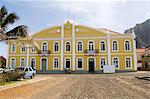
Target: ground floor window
[(79, 63), (56, 63), (128, 62), (67, 62), (23, 62), (102, 62), (32, 62), (13, 62), (116, 62)]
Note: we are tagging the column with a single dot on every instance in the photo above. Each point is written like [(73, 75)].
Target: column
[(62, 46), (134, 50), (73, 46), (108, 47)]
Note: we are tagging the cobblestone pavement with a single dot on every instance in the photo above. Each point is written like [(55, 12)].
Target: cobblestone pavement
[(84, 86)]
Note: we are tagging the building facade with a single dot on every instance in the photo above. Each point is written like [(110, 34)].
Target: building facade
[(80, 48)]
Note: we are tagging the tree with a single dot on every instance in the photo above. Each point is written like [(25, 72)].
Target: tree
[(8, 19)]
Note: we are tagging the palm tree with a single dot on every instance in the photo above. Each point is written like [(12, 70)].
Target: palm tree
[(8, 19)]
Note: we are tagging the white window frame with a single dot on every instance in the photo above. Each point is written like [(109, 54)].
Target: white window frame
[(65, 62), (22, 48), (77, 63), (12, 45), (24, 61), (125, 45), (11, 61), (118, 62), (54, 63), (89, 45), (54, 46), (104, 44), (41, 62), (113, 46), (130, 62), (32, 49), (66, 44), (34, 60), (43, 46), (100, 62), (78, 45)]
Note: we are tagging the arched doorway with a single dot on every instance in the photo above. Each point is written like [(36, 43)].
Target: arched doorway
[(91, 63), (43, 64)]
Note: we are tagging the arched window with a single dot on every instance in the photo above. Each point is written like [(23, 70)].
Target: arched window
[(128, 62), (115, 46), (79, 63), (23, 48), (103, 46), (44, 47), (55, 63), (67, 46), (33, 49), (80, 46), (56, 47), (116, 62), (91, 46), (33, 62), (13, 62), (23, 62), (127, 45), (68, 63), (13, 48), (102, 62)]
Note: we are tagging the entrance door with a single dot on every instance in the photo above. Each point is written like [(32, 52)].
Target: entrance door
[(44, 64), (91, 65)]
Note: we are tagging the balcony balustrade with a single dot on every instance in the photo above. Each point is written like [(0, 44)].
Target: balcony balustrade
[(91, 52), (44, 53)]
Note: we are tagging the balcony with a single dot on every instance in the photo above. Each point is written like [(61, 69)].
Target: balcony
[(44, 53), (91, 52)]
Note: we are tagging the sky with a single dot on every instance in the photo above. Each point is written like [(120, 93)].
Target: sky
[(117, 15)]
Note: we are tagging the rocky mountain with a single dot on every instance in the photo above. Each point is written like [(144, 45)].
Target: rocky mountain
[(142, 32)]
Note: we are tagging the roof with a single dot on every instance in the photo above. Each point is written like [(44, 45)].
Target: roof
[(141, 50)]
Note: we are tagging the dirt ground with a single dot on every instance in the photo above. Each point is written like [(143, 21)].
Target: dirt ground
[(83, 86)]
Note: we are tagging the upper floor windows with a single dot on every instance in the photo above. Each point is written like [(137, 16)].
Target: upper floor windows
[(79, 46), (56, 47), (102, 46), (44, 46), (91, 45), (127, 45), (115, 46), (68, 46), (13, 48), (23, 48), (33, 49)]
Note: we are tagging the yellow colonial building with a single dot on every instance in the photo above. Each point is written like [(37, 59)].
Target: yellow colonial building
[(80, 48)]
